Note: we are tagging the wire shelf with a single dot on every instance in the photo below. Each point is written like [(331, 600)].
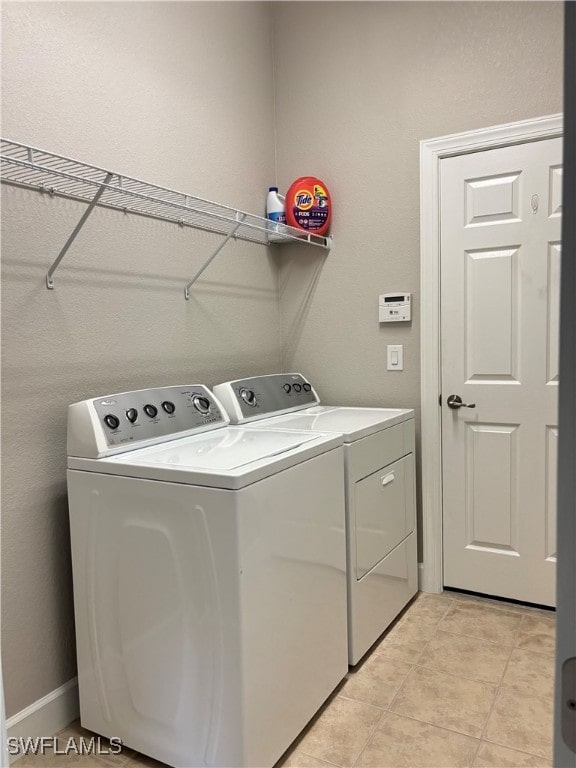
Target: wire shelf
[(35, 168)]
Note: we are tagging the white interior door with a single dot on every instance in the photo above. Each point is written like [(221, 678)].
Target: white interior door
[(500, 260)]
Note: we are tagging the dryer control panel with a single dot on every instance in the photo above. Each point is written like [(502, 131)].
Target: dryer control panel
[(263, 396), (127, 420)]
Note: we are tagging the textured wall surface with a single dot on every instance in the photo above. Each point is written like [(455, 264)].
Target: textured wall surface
[(180, 94)]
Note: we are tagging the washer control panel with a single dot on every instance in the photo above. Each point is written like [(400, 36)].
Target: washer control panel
[(132, 419), (261, 396)]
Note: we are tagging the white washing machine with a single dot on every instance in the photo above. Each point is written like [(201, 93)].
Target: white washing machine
[(380, 490), (209, 576)]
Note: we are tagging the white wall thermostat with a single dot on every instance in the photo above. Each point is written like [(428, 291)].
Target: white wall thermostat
[(395, 307)]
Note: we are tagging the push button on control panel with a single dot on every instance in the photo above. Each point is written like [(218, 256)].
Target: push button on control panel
[(111, 421), (131, 415), (168, 406), (150, 410)]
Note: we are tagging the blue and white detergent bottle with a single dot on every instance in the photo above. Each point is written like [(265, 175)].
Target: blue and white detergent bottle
[(275, 213)]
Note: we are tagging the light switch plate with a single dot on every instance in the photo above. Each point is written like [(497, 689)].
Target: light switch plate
[(395, 357)]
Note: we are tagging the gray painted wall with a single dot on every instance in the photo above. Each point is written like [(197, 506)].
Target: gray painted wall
[(358, 86), (180, 94)]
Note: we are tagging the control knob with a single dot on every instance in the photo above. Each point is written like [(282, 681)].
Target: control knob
[(150, 410), (286, 387), (131, 415), (168, 406), (111, 421), (248, 396), (202, 404), (297, 387), (306, 387)]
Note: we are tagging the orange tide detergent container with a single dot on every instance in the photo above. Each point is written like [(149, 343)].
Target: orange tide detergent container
[(308, 205)]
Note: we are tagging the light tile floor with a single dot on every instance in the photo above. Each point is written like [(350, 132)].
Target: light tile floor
[(458, 681)]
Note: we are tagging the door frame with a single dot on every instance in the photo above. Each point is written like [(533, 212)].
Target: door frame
[(432, 152)]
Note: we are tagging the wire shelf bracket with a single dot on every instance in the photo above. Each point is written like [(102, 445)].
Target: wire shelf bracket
[(26, 166), (77, 228), (213, 256)]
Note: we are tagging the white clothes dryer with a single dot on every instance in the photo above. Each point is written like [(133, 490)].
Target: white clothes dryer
[(209, 576), (380, 483)]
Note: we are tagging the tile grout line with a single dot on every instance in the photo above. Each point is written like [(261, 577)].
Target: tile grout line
[(496, 686), (412, 663), (328, 762), (419, 656), (498, 689), (412, 614), (398, 625), (412, 668), (361, 701), (474, 637), (480, 605), (463, 677), (515, 749), (434, 725), (385, 711), (370, 738), (502, 687), (388, 710), (444, 727)]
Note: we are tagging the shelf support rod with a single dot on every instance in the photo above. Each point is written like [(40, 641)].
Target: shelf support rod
[(212, 257), (77, 228)]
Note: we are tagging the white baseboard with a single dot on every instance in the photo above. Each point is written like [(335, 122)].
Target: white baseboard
[(48, 715), (424, 583), (427, 581), (420, 577)]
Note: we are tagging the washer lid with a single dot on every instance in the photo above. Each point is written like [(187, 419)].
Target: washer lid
[(231, 457), (219, 450), (352, 423)]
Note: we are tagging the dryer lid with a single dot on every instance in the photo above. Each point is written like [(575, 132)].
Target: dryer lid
[(352, 423)]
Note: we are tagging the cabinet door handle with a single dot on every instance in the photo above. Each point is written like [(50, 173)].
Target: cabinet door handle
[(387, 479)]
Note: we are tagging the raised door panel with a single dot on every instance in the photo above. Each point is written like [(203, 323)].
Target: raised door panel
[(553, 312), (492, 199), (491, 315), (555, 192), (551, 469), (491, 487)]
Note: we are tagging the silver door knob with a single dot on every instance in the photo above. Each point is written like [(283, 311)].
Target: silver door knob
[(455, 401)]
